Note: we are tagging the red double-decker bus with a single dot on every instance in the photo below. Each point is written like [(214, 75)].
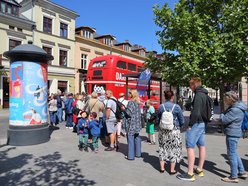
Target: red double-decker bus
[(106, 73)]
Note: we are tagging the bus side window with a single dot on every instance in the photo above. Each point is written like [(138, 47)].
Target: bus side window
[(121, 64), (140, 69), (132, 67)]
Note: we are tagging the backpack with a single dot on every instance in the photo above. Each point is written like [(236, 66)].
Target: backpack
[(75, 110), (244, 125), (152, 118), (167, 119), (119, 114), (208, 115)]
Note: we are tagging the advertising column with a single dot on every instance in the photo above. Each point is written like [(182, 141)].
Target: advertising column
[(28, 115)]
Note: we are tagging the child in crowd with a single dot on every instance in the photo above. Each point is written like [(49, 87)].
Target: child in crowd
[(83, 131), (94, 127)]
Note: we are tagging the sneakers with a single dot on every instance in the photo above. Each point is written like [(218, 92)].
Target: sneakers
[(243, 175), (199, 172), (186, 177), (230, 180)]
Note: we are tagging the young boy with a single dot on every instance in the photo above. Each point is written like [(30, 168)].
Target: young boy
[(83, 132), (95, 130)]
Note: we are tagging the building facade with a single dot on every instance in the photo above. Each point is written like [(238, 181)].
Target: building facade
[(55, 33), (15, 29)]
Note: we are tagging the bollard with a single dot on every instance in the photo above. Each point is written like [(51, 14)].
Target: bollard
[(28, 116)]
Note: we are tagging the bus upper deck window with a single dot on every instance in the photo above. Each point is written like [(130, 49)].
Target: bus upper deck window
[(121, 64), (99, 64)]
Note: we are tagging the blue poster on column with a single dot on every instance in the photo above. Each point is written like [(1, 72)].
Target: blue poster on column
[(143, 81), (30, 105)]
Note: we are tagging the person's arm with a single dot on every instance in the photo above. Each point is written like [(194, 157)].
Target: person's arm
[(160, 111), (180, 116), (229, 117), (196, 111)]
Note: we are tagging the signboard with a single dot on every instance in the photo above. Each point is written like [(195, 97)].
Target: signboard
[(143, 81), (28, 93)]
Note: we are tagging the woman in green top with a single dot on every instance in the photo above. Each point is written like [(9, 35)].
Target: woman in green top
[(150, 124)]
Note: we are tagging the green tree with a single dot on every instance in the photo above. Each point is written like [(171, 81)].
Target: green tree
[(206, 38)]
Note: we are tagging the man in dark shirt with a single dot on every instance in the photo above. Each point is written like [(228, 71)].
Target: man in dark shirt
[(195, 134)]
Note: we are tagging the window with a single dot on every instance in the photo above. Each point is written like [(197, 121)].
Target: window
[(62, 86), (63, 30), (87, 34), (121, 64), (11, 27), (49, 51), (3, 7), (142, 53), (19, 29), (63, 58), (9, 8), (131, 67), (13, 43), (83, 61), (108, 41), (127, 48), (99, 64), (47, 25), (140, 69)]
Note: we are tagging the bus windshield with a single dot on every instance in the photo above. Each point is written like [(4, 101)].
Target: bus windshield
[(99, 64)]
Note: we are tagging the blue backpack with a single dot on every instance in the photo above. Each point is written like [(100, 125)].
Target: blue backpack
[(244, 125)]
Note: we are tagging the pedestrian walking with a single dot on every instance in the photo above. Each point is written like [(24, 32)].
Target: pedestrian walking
[(111, 121), (68, 111), (133, 126), (170, 141), (232, 119), (150, 130), (94, 128), (195, 134), (52, 108)]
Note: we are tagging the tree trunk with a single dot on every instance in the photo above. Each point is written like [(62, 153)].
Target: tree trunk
[(222, 105)]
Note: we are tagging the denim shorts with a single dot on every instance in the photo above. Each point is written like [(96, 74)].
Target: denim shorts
[(195, 136), (111, 126)]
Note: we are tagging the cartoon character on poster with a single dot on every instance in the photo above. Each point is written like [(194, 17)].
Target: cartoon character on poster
[(16, 80), (36, 94)]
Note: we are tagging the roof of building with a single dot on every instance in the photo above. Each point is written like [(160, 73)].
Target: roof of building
[(106, 35), (86, 27)]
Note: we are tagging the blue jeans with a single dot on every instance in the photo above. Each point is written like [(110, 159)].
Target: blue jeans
[(234, 159), (83, 140), (52, 117), (134, 146), (60, 114), (195, 135), (69, 120)]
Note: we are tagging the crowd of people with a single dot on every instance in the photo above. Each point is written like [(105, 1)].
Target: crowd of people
[(95, 116)]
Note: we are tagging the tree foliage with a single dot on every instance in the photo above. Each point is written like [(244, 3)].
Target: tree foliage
[(208, 39)]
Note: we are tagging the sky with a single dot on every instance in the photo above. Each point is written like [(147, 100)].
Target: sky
[(131, 20)]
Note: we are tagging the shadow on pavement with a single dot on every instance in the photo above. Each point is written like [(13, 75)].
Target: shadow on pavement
[(210, 167), (24, 169), (245, 161), (152, 160)]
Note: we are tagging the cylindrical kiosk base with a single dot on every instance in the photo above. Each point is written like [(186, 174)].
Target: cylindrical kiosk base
[(32, 135)]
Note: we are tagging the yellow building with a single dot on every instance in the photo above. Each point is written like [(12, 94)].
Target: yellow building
[(55, 33), (15, 29), (89, 45)]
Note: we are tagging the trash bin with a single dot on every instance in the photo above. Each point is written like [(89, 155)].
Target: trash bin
[(28, 116)]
